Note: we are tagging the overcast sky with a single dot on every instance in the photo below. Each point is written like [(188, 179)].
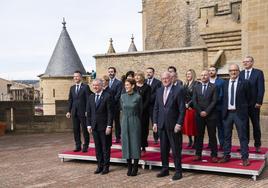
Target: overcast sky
[(29, 30)]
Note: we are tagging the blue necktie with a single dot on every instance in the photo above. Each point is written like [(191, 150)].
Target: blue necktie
[(232, 93), (111, 83), (97, 100), (247, 77), (77, 89)]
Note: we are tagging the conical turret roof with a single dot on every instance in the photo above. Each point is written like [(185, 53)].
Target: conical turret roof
[(132, 47), (64, 60), (111, 47)]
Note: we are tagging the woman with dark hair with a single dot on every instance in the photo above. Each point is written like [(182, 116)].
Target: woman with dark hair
[(131, 105), (129, 75), (189, 127), (145, 91)]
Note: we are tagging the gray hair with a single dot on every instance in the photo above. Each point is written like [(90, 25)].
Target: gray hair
[(99, 81)]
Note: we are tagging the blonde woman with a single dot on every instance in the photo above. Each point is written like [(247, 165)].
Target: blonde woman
[(189, 127)]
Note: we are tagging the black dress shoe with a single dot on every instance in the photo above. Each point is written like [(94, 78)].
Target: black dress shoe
[(190, 144), (98, 170), (177, 176), (163, 173), (77, 150), (105, 170), (224, 160), (245, 162), (85, 149)]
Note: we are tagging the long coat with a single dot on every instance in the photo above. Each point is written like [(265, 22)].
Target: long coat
[(131, 105)]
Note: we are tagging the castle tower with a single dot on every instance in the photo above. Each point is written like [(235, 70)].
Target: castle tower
[(58, 77)]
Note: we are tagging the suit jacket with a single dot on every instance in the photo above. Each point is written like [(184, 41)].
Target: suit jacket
[(219, 85), (172, 113), (154, 86), (99, 116), (188, 92), (77, 102), (116, 90), (256, 81), (242, 98), (205, 102)]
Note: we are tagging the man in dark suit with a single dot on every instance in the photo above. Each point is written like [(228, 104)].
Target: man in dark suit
[(78, 97), (155, 84), (215, 79), (169, 110), (173, 71), (99, 122), (204, 101), (115, 86), (235, 111), (256, 80)]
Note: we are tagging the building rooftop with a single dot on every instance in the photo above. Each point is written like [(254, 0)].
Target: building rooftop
[(64, 60)]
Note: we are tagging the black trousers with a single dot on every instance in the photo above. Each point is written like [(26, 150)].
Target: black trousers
[(233, 118), (144, 128), (155, 135), (102, 148), (116, 118), (202, 123), (78, 123), (169, 139), (254, 116)]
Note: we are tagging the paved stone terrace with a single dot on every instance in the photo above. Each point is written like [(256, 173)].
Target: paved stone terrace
[(31, 160)]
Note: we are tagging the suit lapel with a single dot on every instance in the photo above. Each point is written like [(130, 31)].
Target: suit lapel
[(238, 88), (114, 82), (208, 89), (161, 95), (251, 77), (169, 95)]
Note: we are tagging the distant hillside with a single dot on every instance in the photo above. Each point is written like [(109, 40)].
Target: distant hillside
[(35, 83)]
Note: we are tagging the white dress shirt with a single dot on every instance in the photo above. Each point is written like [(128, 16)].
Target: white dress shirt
[(165, 95), (232, 107), (246, 70)]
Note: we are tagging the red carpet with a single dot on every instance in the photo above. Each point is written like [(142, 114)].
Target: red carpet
[(152, 157), (186, 159)]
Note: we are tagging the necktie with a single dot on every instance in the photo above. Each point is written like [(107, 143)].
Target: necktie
[(111, 83), (232, 93), (247, 77), (97, 100), (149, 82), (77, 89), (204, 89), (165, 95)]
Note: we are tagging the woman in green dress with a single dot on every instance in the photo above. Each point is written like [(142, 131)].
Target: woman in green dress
[(131, 105)]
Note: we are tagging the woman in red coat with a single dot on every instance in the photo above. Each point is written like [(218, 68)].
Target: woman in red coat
[(189, 127)]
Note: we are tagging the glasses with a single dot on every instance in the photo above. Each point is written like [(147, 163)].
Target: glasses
[(246, 61), (233, 70)]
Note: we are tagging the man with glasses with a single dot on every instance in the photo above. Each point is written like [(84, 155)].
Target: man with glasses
[(235, 111), (256, 80)]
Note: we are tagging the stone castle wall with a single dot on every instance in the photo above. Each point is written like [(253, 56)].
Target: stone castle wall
[(175, 23), (182, 58), (56, 88)]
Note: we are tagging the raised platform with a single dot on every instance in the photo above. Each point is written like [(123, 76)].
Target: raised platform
[(152, 158)]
